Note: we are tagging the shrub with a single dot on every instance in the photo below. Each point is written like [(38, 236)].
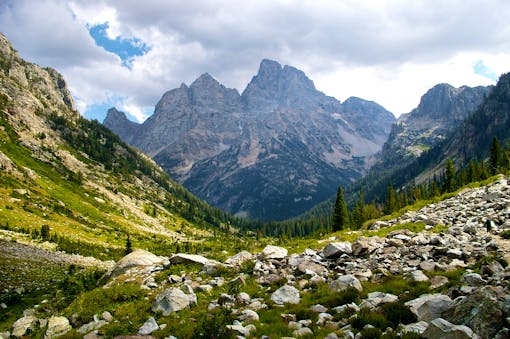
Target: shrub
[(331, 300), (366, 316), (397, 313), (370, 333)]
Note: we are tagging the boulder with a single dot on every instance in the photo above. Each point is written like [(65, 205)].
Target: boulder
[(438, 281), (249, 316), (440, 328), (482, 311), (312, 268), (473, 279), (91, 326), (243, 330), (171, 300), (57, 326), (274, 252), (418, 327), (417, 276), (24, 326), (137, 258), (286, 295), (375, 299), (363, 246), (148, 327), (239, 258), (344, 282), (184, 258), (429, 306), (336, 249)]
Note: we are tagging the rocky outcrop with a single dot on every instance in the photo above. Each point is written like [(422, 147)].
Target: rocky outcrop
[(271, 153)]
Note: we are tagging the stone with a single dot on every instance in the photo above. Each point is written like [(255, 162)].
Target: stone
[(336, 249), (318, 308), (106, 316), (441, 328), (274, 252), (239, 258), (438, 281), (473, 279), (344, 282), (243, 298), (363, 246), (429, 306), (170, 300), (184, 258), (24, 326), (249, 316), (136, 258), (148, 327), (418, 327), (5, 335), (375, 299), (91, 326), (482, 311), (57, 326), (286, 295), (303, 331), (244, 330), (427, 266), (417, 276), (312, 268)]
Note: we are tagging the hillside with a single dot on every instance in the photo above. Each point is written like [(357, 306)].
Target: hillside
[(269, 153)]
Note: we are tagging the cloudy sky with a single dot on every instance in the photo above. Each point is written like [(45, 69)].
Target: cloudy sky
[(127, 53)]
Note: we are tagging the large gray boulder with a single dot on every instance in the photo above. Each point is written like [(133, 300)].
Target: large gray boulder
[(274, 252), (57, 326), (344, 282), (286, 295), (336, 249), (171, 300), (429, 306), (440, 328), (137, 258), (184, 258)]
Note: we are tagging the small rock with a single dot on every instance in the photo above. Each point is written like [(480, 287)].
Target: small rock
[(57, 326), (345, 281), (438, 281), (148, 327), (171, 300), (91, 326), (429, 306), (286, 295), (417, 276), (418, 327), (184, 258), (303, 331), (249, 316), (24, 326), (318, 308), (473, 279), (239, 258)]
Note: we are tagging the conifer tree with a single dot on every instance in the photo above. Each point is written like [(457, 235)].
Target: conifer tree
[(496, 156), (340, 214), (391, 200), (449, 180)]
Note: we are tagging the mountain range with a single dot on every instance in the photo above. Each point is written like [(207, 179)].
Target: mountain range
[(270, 153)]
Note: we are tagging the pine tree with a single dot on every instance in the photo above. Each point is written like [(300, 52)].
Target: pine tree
[(358, 214), (449, 181), (340, 214), (391, 200), (128, 249), (496, 156)]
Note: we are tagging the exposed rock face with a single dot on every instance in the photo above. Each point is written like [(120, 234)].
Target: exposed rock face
[(441, 110), (123, 126), (270, 153)]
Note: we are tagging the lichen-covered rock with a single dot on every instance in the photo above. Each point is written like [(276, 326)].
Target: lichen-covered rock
[(336, 249), (440, 328), (344, 282), (171, 300), (429, 306), (274, 252)]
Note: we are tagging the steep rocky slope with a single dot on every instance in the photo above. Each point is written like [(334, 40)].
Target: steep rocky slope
[(441, 111), (438, 272), (270, 153)]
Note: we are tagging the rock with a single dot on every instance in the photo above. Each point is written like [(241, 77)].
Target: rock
[(136, 258), (171, 300), (429, 306), (417, 276), (239, 258), (473, 279), (225, 298), (249, 316), (5, 335), (438, 281), (481, 310), (286, 295), (318, 308), (57, 326), (427, 266), (184, 258), (303, 331), (106, 316), (243, 298), (363, 246), (375, 299), (336, 249), (24, 326), (244, 330), (454, 253), (440, 328), (345, 281), (91, 326), (274, 252), (148, 327), (418, 327), (312, 268)]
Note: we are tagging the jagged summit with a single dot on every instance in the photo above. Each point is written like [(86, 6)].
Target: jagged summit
[(270, 153)]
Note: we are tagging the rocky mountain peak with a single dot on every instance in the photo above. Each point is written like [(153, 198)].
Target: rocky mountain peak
[(118, 121)]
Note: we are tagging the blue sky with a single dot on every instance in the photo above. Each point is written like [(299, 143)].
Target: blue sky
[(127, 54)]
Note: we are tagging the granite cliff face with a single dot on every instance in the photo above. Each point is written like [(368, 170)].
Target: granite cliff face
[(440, 112), (270, 153)]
